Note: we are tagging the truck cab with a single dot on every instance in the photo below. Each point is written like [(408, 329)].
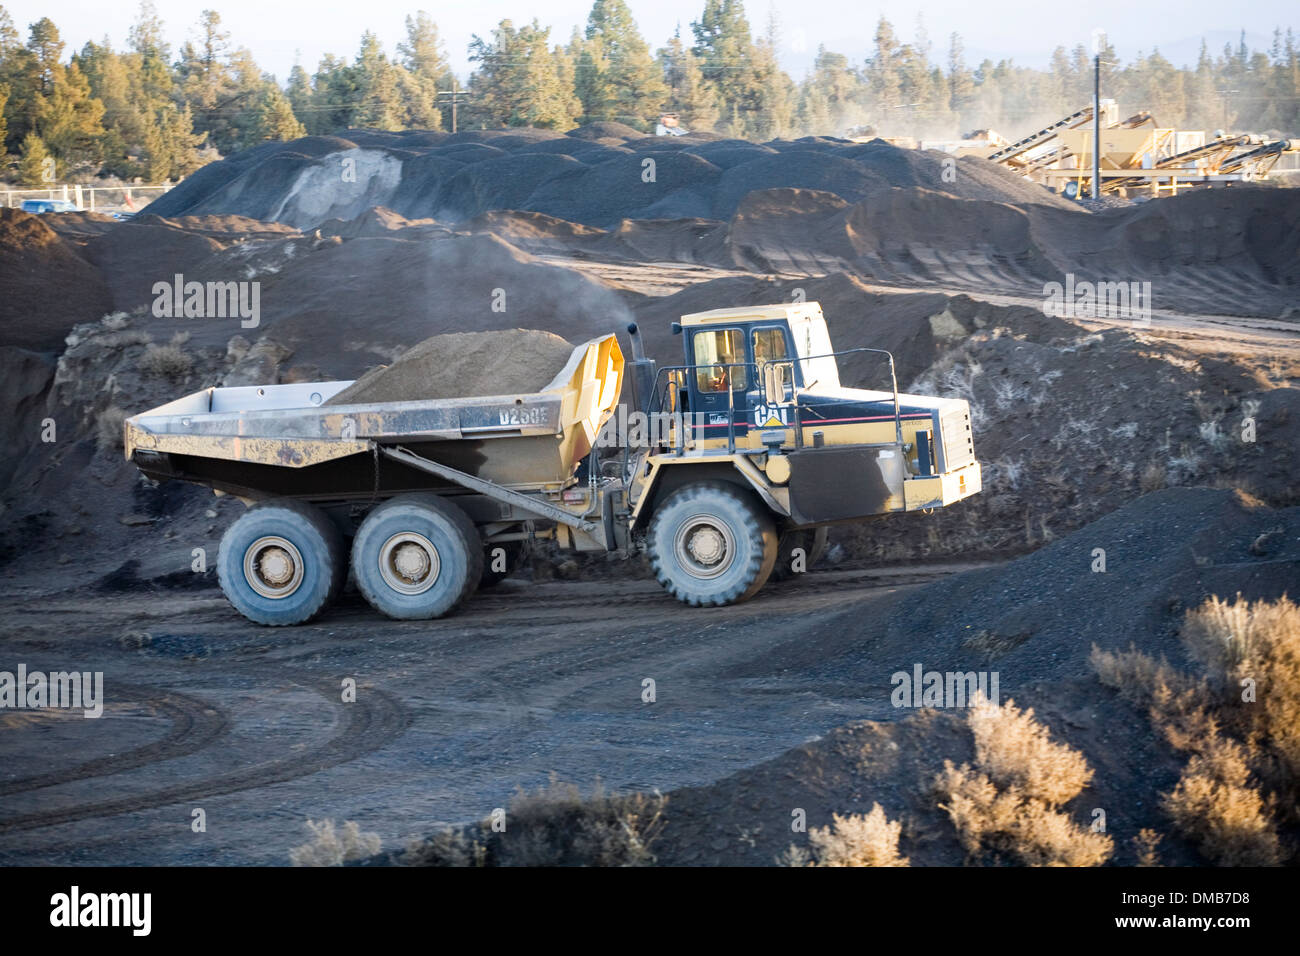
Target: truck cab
[(760, 387)]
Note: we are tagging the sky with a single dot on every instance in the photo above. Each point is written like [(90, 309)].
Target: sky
[(282, 33)]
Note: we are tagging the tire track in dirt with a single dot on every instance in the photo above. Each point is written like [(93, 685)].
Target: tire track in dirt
[(195, 724), (373, 721)]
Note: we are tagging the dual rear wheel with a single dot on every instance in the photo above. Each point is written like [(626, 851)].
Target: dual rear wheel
[(414, 557)]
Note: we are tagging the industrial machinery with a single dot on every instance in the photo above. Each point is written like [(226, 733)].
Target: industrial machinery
[(726, 465), (1135, 153)]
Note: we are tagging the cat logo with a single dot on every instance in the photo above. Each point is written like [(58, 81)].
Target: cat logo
[(771, 416)]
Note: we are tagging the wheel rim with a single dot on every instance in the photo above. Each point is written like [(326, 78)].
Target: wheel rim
[(273, 567), (705, 546), (408, 563)]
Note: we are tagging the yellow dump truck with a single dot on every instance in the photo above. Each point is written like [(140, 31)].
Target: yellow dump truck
[(724, 469)]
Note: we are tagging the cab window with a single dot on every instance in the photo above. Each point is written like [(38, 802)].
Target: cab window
[(769, 346), (719, 360)]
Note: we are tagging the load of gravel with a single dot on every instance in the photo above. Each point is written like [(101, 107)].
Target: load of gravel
[(464, 365)]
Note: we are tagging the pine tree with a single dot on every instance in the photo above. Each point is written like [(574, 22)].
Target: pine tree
[(299, 93), (620, 79), (689, 96), (273, 119), (35, 167), (961, 87), (429, 71), (520, 81), (378, 103), (207, 83)]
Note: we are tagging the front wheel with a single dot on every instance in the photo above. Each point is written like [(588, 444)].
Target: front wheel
[(711, 544)]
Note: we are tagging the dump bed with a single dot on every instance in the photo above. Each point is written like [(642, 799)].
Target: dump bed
[(232, 436)]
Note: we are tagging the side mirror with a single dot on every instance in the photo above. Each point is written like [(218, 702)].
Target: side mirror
[(774, 381)]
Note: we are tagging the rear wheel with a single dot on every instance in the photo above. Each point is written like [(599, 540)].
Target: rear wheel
[(498, 567), (711, 543), (810, 543), (281, 563), (416, 557)]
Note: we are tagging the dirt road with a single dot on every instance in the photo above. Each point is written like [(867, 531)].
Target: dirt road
[(1242, 334), (206, 712)]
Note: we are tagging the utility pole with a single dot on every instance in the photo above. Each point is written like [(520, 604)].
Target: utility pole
[(1096, 125), (455, 93)]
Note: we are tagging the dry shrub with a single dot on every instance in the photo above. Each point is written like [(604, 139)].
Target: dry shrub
[(1178, 705), (1215, 806), (1237, 741), (1146, 847), (854, 840), (1008, 804), (108, 428), (169, 361), (1258, 644), (1007, 823), (1152, 477), (1018, 753), (330, 847), (554, 826)]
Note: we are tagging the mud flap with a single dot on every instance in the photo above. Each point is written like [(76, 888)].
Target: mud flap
[(834, 483)]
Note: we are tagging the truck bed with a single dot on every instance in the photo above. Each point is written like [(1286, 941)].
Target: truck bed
[(230, 436)]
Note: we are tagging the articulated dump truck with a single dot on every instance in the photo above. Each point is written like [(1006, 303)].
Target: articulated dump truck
[(745, 454)]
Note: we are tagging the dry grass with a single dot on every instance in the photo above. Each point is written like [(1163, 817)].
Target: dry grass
[(1018, 754), (169, 361), (1008, 804), (108, 428), (331, 847), (1239, 721), (1146, 847), (858, 839), (1152, 477), (553, 826), (1215, 805), (1251, 654)]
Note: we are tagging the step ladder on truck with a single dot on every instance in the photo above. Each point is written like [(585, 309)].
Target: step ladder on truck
[(754, 449)]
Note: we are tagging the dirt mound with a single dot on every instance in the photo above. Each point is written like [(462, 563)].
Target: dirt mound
[(45, 287), (616, 189), (79, 226), (376, 221), (464, 365), (605, 130), (231, 227), (1163, 554), (136, 255), (597, 175), (1230, 252), (345, 306), (506, 182), (535, 231), (804, 169), (24, 377)]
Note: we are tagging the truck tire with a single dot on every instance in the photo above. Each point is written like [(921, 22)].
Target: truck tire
[(813, 543), (416, 557), (514, 556), (711, 543), (282, 562)]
